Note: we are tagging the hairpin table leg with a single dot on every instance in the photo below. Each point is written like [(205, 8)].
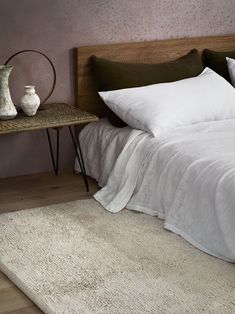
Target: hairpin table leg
[(78, 152), (55, 164)]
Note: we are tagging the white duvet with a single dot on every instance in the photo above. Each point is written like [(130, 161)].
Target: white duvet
[(185, 176)]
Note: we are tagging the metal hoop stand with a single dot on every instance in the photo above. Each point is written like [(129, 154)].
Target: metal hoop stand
[(51, 64), (75, 139)]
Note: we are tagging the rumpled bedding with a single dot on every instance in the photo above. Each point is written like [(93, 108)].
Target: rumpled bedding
[(185, 176)]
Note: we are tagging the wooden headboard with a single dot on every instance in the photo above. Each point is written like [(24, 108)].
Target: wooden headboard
[(143, 52)]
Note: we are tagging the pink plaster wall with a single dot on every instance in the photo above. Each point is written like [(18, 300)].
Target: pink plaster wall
[(55, 27)]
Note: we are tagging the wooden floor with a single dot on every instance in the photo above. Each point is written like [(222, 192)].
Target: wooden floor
[(29, 192)]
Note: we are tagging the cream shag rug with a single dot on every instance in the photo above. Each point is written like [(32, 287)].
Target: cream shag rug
[(78, 258)]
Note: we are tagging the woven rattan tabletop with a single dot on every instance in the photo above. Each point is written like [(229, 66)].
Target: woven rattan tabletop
[(48, 116)]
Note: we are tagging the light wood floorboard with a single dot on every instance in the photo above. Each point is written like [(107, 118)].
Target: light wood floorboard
[(29, 192)]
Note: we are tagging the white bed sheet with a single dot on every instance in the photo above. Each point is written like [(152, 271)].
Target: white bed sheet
[(101, 145), (185, 176)]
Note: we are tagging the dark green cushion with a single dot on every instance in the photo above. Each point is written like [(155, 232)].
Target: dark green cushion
[(111, 75), (217, 61)]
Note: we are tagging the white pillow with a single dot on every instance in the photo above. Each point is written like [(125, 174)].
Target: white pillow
[(159, 107), (231, 69)]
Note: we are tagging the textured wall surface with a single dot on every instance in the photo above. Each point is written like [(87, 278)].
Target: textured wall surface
[(55, 27)]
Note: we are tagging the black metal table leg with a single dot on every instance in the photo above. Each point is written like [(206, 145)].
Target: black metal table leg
[(57, 150), (55, 164), (78, 152)]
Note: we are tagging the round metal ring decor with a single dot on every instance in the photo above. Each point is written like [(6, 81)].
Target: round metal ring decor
[(51, 64)]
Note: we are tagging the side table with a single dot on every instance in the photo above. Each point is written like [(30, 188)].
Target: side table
[(53, 116)]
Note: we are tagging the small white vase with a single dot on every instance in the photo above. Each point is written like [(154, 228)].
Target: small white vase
[(30, 101)]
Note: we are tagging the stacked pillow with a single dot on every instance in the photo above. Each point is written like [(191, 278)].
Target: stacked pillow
[(231, 69), (112, 75), (216, 60), (159, 97), (160, 107)]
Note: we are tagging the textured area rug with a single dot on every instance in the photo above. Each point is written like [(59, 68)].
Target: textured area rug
[(78, 258)]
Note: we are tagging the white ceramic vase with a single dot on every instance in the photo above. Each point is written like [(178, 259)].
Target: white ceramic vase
[(7, 108), (30, 101)]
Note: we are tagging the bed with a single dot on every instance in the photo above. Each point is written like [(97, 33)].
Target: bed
[(185, 176)]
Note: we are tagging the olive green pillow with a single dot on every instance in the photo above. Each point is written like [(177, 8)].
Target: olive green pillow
[(111, 75), (216, 61)]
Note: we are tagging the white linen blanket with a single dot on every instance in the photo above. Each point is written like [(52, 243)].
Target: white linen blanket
[(186, 176), (101, 145)]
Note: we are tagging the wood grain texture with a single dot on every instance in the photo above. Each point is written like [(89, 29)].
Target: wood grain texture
[(142, 52), (28, 192), (12, 299), (4, 282), (26, 310)]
